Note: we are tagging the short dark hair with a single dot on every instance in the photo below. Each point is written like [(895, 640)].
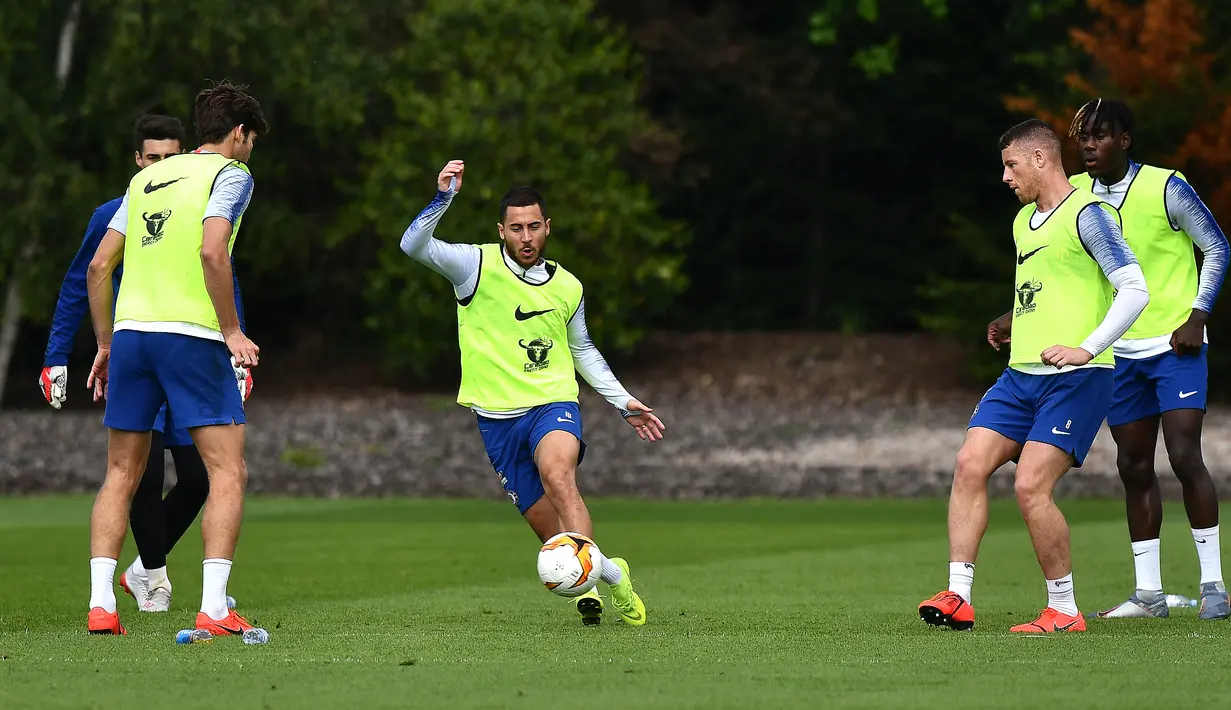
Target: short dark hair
[(1034, 131), (222, 107), (1116, 115), (521, 197), (155, 127)]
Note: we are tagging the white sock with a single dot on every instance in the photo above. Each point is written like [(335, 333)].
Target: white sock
[(961, 579), (137, 569), (158, 578), (1208, 553), (214, 575), (1145, 561), (102, 583), (1060, 595), (609, 571)]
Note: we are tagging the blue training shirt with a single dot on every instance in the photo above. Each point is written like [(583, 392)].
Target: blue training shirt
[(74, 301)]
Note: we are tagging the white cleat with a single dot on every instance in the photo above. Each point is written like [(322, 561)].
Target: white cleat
[(159, 599), (1142, 605), (136, 587)]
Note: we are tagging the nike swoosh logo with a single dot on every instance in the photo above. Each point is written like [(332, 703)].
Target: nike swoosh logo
[(150, 186), (1057, 432), (519, 314), (1186, 395), (1200, 542), (1138, 554), (234, 632), (562, 419), (1066, 627), (1021, 258)]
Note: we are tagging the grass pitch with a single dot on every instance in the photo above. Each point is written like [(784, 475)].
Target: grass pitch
[(435, 604)]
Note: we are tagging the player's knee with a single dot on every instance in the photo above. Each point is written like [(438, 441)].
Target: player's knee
[(1031, 489), (228, 479), (557, 474), (1135, 471), (972, 468), (1186, 461)]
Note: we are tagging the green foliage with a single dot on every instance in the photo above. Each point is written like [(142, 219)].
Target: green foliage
[(538, 94)]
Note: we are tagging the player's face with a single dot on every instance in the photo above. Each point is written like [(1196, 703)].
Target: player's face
[(524, 233), (1021, 173), (1102, 152), (153, 151)]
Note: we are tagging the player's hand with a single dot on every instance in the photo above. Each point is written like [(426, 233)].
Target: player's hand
[(641, 418), (1190, 337), (450, 177), (98, 373), (243, 377), (1058, 356), (244, 352), (53, 383), (998, 330)]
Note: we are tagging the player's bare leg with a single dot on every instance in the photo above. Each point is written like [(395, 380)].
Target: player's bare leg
[(545, 523), (1182, 437), (222, 449), (1143, 507), (556, 460), (1040, 468), (127, 452), (981, 454)]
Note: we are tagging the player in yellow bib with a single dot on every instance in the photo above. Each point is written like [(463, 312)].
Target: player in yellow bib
[(1046, 409), (1161, 371), (170, 338), (522, 331)]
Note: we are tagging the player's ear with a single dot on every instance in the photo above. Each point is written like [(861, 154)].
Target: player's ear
[(547, 226), (137, 159), (500, 230)]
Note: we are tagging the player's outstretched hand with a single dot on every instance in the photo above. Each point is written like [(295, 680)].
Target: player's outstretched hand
[(998, 330), (98, 374), (1058, 356), (244, 352), (450, 177), (53, 383), (643, 421)]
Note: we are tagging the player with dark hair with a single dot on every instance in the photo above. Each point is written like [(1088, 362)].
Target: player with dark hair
[(1046, 408), (1161, 369), (172, 340), (157, 524), (516, 312)]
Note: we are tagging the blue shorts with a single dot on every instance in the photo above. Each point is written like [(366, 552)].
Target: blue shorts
[(1065, 410), (191, 377), (511, 443), (1151, 386), (172, 435)]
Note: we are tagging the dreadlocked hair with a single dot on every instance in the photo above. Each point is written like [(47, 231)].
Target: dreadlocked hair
[(1116, 114)]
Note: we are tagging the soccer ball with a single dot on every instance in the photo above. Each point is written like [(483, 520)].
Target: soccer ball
[(567, 564)]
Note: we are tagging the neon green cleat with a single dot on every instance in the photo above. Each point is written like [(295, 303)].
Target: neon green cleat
[(626, 601), (590, 606)]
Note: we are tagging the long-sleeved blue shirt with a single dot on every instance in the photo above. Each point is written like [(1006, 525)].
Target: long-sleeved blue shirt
[(74, 303)]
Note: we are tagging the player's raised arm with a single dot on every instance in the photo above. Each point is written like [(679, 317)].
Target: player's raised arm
[(1187, 212), (597, 373), (1105, 242), (457, 262)]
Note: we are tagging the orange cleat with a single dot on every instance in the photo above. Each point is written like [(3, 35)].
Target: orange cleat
[(948, 609), (103, 623), (1050, 621), (232, 625)]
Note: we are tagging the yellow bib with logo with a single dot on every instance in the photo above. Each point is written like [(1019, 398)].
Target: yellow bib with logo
[(1061, 294), (163, 278), (514, 337), (1166, 254)]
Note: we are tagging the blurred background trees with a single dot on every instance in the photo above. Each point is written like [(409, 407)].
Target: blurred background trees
[(721, 165)]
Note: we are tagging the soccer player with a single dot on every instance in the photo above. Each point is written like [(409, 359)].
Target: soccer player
[(157, 524), (516, 313), (1046, 408), (174, 333), (1161, 371)]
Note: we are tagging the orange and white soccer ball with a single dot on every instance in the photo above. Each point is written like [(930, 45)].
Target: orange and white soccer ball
[(569, 564)]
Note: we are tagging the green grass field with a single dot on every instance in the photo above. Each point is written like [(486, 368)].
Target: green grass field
[(435, 604)]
